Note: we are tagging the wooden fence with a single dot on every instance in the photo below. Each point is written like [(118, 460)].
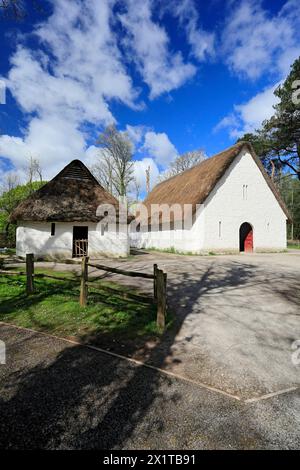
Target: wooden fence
[(159, 286), (159, 278)]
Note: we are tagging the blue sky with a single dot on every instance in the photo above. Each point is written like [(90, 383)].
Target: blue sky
[(177, 75)]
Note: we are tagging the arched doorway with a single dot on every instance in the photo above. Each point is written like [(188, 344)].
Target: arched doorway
[(246, 237)]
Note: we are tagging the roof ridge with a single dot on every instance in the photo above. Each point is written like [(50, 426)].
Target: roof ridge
[(238, 144), (71, 198), (194, 185), (83, 167)]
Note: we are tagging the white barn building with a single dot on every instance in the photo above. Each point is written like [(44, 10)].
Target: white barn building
[(60, 219), (234, 204)]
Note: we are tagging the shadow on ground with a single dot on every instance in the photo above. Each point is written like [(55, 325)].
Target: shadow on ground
[(56, 399)]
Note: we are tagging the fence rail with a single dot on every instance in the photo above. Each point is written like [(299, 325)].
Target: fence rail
[(48, 276), (124, 294), (12, 273), (159, 278), (121, 271), (159, 286)]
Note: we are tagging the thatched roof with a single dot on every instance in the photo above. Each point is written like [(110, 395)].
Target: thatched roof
[(71, 196), (194, 185)]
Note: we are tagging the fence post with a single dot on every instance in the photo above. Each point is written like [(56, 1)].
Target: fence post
[(29, 273), (155, 282), (84, 279), (161, 299)]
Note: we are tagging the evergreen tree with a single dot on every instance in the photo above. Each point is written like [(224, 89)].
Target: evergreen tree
[(277, 143)]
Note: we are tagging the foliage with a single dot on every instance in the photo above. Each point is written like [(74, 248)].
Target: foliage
[(9, 200), (183, 162), (277, 143), (7, 231), (290, 190), (115, 167)]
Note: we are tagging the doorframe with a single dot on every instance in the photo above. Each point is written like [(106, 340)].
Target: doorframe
[(252, 229), (74, 239)]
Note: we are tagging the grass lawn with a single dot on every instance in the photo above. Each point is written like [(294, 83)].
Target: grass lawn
[(54, 308), (293, 246), (172, 250)]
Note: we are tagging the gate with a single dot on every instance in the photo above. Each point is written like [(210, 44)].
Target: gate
[(80, 241), (80, 248)]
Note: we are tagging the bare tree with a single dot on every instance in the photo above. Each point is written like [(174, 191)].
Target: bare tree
[(18, 9), (12, 9), (182, 163), (102, 170), (148, 180), (137, 188), (34, 169), (114, 169), (11, 181)]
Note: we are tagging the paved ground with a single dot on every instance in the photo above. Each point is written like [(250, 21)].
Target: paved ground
[(57, 395), (236, 318)]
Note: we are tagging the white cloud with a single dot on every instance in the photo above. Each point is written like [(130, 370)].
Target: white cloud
[(68, 86), (258, 108), (136, 134), (91, 155), (229, 121), (156, 145), (52, 140), (255, 42), (248, 117), (202, 42), (161, 69), (159, 147), (81, 37), (140, 167)]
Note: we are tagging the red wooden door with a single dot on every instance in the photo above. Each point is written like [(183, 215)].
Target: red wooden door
[(249, 241)]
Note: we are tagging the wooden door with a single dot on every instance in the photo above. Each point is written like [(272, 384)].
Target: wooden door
[(249, 242)]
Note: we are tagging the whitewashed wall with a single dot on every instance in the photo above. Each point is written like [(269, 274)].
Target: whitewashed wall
[(184, 240), (229, 206), (258, 206), (35, 237)]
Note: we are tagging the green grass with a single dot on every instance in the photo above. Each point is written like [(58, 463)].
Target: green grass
[(54, 308), (173, 251), (183, 253), (293, 246)]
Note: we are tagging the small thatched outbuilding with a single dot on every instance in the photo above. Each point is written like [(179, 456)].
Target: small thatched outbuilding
[(69, 217), (227, 203)]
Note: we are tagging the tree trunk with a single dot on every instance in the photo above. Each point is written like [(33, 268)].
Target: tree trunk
[(6, 229), (273, 170), (298, 153)]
